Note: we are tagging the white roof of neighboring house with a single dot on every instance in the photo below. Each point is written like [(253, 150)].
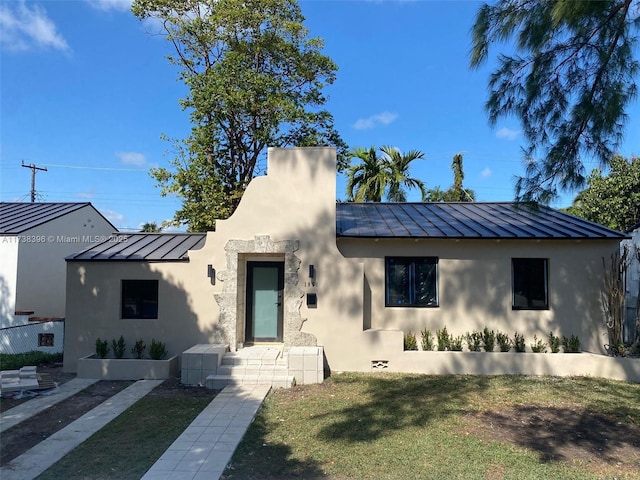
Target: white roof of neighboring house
[(18, 217), (493, 220), (143, 247)]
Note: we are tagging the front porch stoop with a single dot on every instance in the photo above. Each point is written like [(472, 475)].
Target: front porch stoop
[(255, 365)]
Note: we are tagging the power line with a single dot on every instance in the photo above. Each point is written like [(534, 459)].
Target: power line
[(111, 169)]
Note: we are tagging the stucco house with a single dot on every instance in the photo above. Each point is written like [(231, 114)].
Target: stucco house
[(292, 267), (35, 238)]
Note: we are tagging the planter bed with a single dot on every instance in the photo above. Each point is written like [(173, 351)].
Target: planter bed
[(127, 368), (512, 363)]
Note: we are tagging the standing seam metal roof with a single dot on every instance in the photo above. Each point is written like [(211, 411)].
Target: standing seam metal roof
[(18, 217), (142, 247), (494, 220)]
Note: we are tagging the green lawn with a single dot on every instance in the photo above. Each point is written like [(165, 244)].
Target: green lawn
[(391, 426), (129, 445), (388, 426)]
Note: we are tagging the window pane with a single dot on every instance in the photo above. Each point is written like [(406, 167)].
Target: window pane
[(425, 281), (397, 282), (411, 281), (530, 283), (139, 299)]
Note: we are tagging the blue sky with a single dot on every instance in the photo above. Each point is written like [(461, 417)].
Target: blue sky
[(87, 92)]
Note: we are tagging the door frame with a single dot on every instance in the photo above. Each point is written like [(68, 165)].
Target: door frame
[(249, 336)]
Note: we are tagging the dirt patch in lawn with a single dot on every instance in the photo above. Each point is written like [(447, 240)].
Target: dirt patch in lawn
[(25, 435), (569, 435)]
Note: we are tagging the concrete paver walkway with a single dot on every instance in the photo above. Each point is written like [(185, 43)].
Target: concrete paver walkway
[(201, 452), (206, 446), (36, 460), (35, 405)]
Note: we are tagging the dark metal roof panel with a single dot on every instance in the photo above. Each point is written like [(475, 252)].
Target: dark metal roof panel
[(499, 220), (18, 217), (143, 247)]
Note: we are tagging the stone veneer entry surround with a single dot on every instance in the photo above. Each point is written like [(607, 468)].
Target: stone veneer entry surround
[(232, 301)]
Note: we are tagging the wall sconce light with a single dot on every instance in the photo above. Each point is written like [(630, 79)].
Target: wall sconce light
[(211, 273), (312, 271)]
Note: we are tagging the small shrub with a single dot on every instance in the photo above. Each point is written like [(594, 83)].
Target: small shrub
[(102, 348), (474, 340), (410, 342), (138, 349), (118, 347), (488, 339), (619, 351), (455, 343), (443, 339), (571, 345), (504, 342), (538, 346), (518, 343), (427, 340), (157, 350), (554, 343)]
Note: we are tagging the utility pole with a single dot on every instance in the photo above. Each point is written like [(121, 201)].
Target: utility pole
[(33, 178)]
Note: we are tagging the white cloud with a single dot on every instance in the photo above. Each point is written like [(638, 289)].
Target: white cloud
[(113, 217), (132, 158), (507, 133), (107, 5), (88, 195), (384, 118), (23, 28), (486, 173)]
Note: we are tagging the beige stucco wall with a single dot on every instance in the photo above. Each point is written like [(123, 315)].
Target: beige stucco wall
[(93, 306), (40, 283), (474, 286), (291, 214)]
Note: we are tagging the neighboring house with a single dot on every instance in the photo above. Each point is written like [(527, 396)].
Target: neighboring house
[(292, 266), (35, 238)]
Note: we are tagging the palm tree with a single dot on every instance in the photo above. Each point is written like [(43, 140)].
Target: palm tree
[(398, 165), (150, 227), (457, 193), (366, 180), (373, 177)]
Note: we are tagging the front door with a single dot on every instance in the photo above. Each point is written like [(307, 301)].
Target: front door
[(265, 285)]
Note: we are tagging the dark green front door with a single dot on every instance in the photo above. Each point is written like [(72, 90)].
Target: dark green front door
[(265, 285)]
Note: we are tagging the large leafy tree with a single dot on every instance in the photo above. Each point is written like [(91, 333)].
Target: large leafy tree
[(373, 177), (255, 80), (456, 193), (569, 82), (613, 199)]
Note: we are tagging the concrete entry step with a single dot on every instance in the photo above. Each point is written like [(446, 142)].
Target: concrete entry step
[(256, 365), (256, 355), (215, 367)]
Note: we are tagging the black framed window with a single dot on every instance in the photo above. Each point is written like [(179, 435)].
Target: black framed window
[(530, 283), (139, 299), (411, 281)]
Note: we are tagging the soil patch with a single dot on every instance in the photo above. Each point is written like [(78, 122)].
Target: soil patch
[(563, 434), (25, 435)]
